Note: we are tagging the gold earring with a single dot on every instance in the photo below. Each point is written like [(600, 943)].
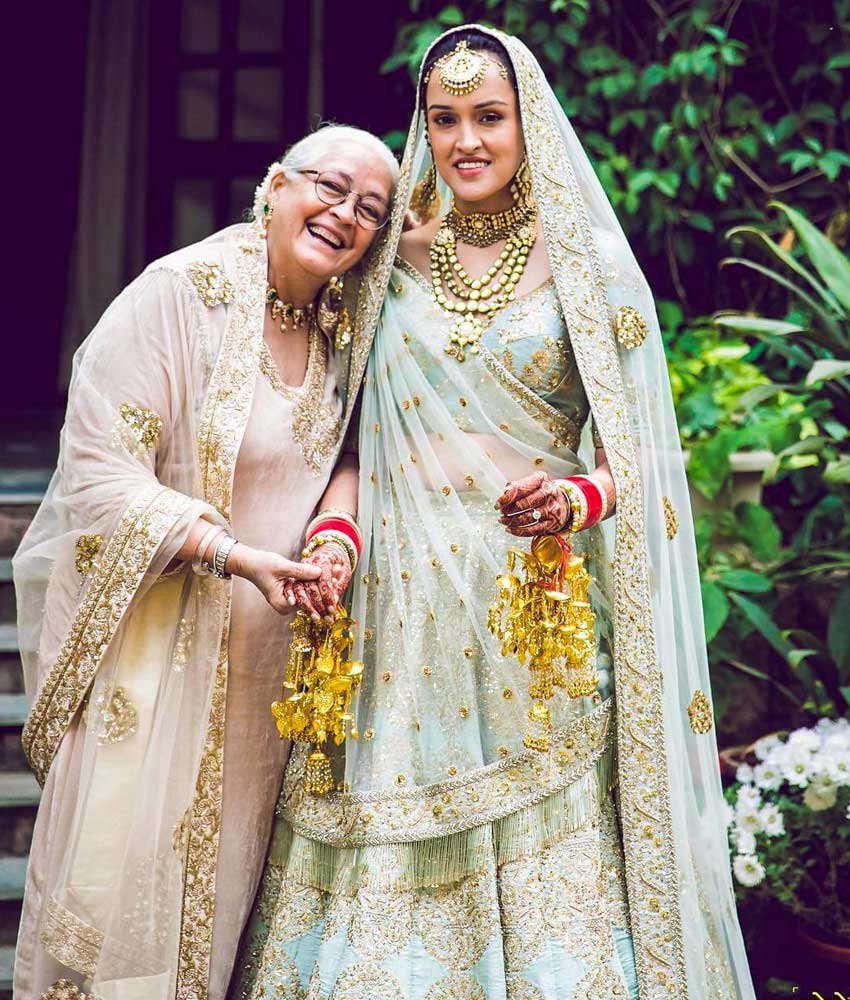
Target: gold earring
[(334, 315), (425, 200), (268, 210), (521, 187)]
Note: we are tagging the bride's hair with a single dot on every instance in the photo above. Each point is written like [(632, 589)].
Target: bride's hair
[(476, 40)]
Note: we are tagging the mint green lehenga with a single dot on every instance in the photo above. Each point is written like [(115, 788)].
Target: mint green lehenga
[(454, 864)]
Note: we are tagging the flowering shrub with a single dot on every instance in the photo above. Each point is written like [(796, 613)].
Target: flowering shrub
[(789, 824)]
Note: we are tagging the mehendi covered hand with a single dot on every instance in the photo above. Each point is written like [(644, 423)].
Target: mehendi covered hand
[(319, 598), (533, 506)]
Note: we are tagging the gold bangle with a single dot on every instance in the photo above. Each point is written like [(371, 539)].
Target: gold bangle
[(577, 502), (323, 537)]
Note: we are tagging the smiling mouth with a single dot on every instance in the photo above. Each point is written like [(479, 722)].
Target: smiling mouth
[(325, 236), (463, 165)]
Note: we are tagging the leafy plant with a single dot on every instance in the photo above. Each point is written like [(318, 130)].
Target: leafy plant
[(691, 122)]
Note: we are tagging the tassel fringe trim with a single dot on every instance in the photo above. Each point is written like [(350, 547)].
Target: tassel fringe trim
[(445, 860)]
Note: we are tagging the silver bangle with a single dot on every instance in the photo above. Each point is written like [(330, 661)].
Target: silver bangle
[(222, 551), (199, 565)]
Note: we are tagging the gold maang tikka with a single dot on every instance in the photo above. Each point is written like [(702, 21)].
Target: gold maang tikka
[(463, 70)]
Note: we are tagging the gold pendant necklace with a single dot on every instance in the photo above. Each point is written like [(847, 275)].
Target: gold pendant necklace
[(286, 312), (477, 300)]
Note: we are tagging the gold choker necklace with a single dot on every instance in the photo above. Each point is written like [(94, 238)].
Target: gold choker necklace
[(477, 300), (483, 229), (288, 313)]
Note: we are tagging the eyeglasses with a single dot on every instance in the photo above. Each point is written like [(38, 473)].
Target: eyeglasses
[(333, 189)]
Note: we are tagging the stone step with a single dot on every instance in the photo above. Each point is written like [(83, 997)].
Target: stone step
[(8, 638), (18, 788), (13, 873), (13, 710), (7, 963)]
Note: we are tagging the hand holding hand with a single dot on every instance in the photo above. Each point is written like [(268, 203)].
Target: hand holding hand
[(320, 597), (533, 506), (270, 573)]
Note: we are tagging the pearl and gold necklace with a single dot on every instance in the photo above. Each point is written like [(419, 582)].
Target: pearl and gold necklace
[(477, 300), (286, 312)]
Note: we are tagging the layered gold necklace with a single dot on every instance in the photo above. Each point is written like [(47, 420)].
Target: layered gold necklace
[(476, 300)]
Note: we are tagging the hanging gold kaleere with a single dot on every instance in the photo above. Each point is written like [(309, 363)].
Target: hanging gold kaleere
[(544, 618), (315, 704)]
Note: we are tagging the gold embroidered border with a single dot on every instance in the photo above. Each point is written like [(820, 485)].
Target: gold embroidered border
[(69, 940), (113, 585), (64, 989), (226, 411), (653, 876), (483, 795)]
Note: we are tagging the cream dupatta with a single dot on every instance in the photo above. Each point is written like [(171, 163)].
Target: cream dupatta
[(686, 936), (125, 654)]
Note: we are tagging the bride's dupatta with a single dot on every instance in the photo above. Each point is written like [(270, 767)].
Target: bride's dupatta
[(125, 652), (440, 750)]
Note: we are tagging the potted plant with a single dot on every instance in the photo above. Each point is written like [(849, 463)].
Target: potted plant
[(789, 832)]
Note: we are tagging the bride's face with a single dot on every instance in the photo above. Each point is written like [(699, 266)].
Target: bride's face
[(476, 140)]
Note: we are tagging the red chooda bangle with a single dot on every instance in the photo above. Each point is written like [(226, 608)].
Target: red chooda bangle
[(337, 524)]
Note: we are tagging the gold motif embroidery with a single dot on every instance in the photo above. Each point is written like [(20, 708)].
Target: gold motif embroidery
[(456, 987), (315, 426), (456, 922), (62, 989), (144, 427), (629, 326), (115, 720), (519, 988), (366, 979), (699, 713), (87, 549), (211, 284), (671, 518), (113, 584)]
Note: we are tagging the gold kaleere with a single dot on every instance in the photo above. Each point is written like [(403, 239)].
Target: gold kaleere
[(315, 704), (544, 618)]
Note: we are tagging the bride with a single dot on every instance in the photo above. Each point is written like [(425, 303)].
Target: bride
[(483, 840)]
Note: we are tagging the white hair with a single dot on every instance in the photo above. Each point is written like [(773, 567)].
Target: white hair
[(307, 151)]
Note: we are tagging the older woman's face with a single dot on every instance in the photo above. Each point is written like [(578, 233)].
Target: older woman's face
[(325, 240)]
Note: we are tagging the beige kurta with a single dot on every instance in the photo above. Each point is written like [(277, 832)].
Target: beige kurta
[(275, 491)]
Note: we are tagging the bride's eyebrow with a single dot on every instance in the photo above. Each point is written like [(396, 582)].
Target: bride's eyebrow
[(477, 107)]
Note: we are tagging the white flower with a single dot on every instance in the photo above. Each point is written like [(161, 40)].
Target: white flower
[(772, 821), (804, 739), (819, 796), (748, 798), (262, 190), (744, 774), (767, 776), (748, 869), (837, 740), (745, 841), (765, 746), (835, 768), (797, 766), (749, 821)]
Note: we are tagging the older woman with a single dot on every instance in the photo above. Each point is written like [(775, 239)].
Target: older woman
[(204, 426)]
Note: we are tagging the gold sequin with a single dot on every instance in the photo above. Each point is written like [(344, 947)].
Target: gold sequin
[(405, 575), (453, 547), (462, 401), (427, 671), (400, 779), (87, 548), (630, 327), (405, 404), (387, 676), (507, 694), (463, 711), (369, 734), (451, 770), (469, 480), (671, 518), (211, 284), (468, 650), (446, 490), (699, 713)]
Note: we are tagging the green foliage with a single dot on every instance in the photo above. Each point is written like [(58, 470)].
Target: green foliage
[(691, 116)]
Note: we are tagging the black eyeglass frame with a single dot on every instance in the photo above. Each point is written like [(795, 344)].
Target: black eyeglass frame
[(319, 174)]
